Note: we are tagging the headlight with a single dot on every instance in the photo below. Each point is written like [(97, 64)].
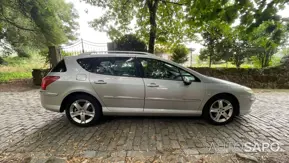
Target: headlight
[(249, 90)]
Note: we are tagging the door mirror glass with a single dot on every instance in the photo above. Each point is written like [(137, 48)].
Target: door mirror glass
[(187, 80)]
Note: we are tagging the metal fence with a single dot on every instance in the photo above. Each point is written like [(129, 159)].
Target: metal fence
[(81, 46)]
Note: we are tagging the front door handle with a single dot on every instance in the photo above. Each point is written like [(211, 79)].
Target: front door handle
[(153, 85), (100, 82)]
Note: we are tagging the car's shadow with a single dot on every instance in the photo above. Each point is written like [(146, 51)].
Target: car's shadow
[(194, 119)]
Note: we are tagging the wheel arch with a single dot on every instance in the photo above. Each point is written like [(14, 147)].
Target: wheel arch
[(224, 94), (67, 97)]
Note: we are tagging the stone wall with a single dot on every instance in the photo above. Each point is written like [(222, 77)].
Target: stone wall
[(276, 77)]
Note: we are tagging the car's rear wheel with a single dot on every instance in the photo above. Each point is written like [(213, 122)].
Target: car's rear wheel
[(220, 110), (83, 110)]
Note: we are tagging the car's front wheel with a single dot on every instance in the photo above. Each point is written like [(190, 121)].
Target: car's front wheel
[(83, 110), (220, 110)]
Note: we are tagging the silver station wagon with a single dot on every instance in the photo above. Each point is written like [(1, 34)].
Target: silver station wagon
[(94, 84)]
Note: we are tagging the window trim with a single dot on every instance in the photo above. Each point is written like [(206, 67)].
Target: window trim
[(112, 58), (179, 68)]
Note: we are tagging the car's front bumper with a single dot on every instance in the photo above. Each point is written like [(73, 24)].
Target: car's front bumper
[(50, 101), (245, 103)]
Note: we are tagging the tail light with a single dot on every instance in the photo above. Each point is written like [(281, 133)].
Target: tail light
[(48, 80)]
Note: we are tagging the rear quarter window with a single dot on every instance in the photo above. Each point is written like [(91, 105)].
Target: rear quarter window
[(87, 63), (60, 67)]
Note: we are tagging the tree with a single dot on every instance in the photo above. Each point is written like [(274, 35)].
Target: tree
[(284, 51), (36, 24), (180, 54), (213, 19), (216, 38), (157, 21), (130, 43), (265, 28), (266, 38), (260, 28)]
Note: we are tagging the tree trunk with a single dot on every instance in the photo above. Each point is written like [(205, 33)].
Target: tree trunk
[(210, 60), (152, 5), (237, 61), (267, 58), (54, 55), (238, 65), (262, 61)]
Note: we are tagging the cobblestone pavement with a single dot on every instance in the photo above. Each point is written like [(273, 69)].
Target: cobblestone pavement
[(26, 127)]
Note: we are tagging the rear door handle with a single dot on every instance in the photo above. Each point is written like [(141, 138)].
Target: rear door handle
[(153, 85), (100, 82)]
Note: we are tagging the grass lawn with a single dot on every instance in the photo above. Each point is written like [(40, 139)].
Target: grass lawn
[(223, 65), (8, 76), (20, 68)]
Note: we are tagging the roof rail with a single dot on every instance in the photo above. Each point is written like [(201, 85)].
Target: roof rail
[(115, 52)]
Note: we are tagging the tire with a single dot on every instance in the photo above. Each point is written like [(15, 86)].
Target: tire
[(215, 114), (83, 110)]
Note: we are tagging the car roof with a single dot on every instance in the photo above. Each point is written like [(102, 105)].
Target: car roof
[(114, 54)]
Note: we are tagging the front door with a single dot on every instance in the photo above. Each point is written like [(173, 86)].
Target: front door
[(165, 89), (116, 81)]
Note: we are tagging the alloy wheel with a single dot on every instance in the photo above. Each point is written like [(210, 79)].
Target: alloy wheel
[(82, 111), (221, 110)]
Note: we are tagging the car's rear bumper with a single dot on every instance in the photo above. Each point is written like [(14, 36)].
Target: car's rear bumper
[(50, 101), (245, 102)]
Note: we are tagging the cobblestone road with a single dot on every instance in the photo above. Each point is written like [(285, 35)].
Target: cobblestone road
[(26, 127)]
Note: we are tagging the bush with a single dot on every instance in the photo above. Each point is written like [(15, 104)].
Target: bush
[(65, 53), (180, 54), (275, 61), (130, 43), (2, 61)]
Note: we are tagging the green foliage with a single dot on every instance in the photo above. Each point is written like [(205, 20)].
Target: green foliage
[(20, 68), (156, 21), (180, 54), (36, 24), (284, 51), (223, 65), (267, 37), (2, 61), (260, 32), (162, 49), (66, 54), (275, 61), (256, 62), (130, 43), (204, 54)]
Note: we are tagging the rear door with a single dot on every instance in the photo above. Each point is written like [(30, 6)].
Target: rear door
[(116, 81)]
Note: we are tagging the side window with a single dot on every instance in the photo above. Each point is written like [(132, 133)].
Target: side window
[(117, 66), (159, 70), (60, 67)]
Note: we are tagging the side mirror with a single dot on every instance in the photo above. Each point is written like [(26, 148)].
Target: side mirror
[(187, 80)]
